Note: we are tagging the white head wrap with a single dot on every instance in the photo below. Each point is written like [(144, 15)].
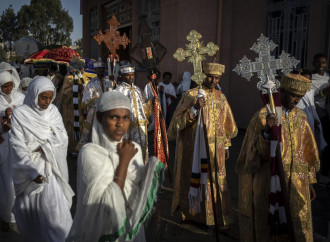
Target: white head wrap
[(25, 82), (38, 85), (112, 100), (108, 101), (6, 77), (184, 85), (4, 66)]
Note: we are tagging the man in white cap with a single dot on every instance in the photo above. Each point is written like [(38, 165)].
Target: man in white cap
[(139, 109), (93, 90)]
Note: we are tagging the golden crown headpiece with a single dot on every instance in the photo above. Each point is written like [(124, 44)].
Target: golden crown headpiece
[(213, 69), (296, 83)]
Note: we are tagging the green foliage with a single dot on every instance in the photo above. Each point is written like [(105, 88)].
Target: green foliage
[(2, 54), (78, 43), (8, 26), (46, 21)]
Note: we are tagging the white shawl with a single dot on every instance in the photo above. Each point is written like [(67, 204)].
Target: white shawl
[(318, 83), (308, 106), (8, 101), (104, 212), (7, 197), (4, 66), (33, 127)]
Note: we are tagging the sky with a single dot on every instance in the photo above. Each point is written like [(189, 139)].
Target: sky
[(73, 6)]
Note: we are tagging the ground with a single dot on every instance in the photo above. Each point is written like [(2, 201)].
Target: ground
[(163, 227)]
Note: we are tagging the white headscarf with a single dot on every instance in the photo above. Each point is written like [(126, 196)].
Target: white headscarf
[(108, 101), (8, 100), (25, 83), (39, 85), (4, 66), (184, 85)]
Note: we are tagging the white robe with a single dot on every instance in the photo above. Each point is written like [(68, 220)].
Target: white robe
[(42, 211), (308, 106), (319, 83), (104, 212), (168, 89), (7, 194)]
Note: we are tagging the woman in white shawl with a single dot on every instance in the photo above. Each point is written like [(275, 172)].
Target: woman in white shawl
[(4, 66), (115, 190), (9, 99), (40, 173), (25, 81)]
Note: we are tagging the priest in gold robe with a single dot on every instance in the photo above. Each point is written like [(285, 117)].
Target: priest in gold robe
[(300, 163), (220, 128)]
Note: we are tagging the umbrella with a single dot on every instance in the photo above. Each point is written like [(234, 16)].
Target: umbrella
[(26, 46), (56, 54)]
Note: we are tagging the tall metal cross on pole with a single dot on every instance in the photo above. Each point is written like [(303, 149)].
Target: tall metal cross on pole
[(195, 53), (265, 65), (112, 38)]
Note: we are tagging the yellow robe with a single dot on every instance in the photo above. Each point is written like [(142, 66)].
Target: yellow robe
[(300, 163), (66, 109), (221, 128)]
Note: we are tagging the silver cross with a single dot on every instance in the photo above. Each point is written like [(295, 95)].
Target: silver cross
[(265, 65)]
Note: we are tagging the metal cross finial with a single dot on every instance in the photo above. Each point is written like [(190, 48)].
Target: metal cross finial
[(195, 53), (265, 65), (112, 38)]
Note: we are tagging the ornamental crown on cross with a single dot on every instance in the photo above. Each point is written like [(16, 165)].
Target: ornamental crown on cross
[(265, 65), (112, 38), (195, 53)]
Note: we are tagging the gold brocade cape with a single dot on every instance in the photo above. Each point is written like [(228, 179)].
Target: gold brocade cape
[(140, 112), (221, 127), (300, 163), (66, 109)]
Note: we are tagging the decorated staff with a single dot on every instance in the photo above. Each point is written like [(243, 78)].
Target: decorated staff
[(280, 215), (149, 53), (203, 123), (112, 40)]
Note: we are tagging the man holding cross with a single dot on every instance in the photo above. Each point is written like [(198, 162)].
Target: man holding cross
[(220, 127), (300, 163)]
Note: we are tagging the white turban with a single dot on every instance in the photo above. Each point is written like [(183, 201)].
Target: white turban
[(112, 100), (6, 77)]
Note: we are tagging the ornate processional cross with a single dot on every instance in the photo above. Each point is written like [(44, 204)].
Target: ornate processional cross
[(112, 38), (265, 65), (195, 53)]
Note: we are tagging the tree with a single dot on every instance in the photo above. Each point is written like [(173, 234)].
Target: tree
[(78, 43), (46, 21), (2, 54), (8, 26)]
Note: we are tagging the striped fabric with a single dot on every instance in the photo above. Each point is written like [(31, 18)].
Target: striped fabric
[(199, 168), (75, 95), (277, 212)]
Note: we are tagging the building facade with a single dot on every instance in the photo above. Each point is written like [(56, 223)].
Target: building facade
[(300, 27)]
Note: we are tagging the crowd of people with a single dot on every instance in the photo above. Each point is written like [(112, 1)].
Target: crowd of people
[(119, 135)]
